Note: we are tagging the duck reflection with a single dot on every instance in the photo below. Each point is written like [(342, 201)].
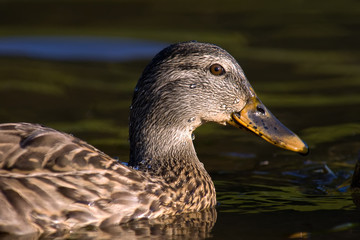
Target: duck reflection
[(196, 225)]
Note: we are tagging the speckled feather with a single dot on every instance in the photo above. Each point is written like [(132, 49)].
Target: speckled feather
[(55, 181)]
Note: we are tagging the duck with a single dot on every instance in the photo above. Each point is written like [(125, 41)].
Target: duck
[(51, 181)]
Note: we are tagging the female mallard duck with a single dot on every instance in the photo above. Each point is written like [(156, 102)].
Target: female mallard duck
[(52, 181)]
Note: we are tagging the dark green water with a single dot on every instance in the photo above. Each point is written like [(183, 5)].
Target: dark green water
[(302, 58)]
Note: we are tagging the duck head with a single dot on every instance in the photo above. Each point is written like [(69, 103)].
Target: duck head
[(190, 83)]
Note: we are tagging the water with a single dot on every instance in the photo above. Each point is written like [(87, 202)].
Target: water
[(75, 48), (301, 57)]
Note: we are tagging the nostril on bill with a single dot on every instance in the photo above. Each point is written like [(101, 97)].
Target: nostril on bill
[(260, 110)]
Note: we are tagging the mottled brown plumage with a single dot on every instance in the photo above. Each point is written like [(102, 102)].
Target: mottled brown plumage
[(53, 182)]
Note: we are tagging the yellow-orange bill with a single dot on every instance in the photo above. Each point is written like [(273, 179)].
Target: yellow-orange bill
[(259, 120)]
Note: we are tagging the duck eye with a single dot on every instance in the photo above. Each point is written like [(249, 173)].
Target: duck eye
[(217, 69)]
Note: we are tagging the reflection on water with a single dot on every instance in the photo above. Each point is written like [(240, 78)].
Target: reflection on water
[(186, 226), (79, 48)]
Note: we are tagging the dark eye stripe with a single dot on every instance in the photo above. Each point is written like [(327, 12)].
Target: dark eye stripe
[(217, 69)]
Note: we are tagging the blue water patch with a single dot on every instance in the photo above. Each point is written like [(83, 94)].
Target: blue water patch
[(79, 48)]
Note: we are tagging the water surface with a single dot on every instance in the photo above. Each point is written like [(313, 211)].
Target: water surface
[(301, 57)]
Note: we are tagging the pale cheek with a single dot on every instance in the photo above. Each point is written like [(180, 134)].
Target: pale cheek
[(220, 118)]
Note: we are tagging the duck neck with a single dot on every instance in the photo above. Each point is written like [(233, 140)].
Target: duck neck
[(163, 151), (170, 155)]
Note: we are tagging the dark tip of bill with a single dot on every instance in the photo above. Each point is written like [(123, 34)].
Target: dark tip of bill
[(305, 153)]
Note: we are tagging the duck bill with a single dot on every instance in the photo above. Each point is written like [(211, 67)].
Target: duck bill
[(256, 118)]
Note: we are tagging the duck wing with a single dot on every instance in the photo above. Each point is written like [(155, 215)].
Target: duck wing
[(29, 147), (51, 181)]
